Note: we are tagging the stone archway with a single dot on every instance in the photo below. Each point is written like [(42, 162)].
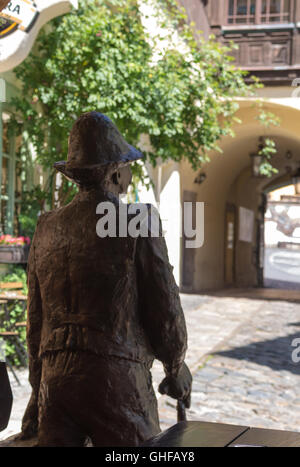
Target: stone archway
[(230, 183)]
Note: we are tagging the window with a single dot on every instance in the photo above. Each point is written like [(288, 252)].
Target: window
[(275, 11), (259, 11), (242, 11)]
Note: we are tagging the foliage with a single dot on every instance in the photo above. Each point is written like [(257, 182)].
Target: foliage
[(267, 151), (16, 313), (16, 274), (102, 57), (268, 147), (33, 204)]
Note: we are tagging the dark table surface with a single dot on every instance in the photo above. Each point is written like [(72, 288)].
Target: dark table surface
[(204, 434)]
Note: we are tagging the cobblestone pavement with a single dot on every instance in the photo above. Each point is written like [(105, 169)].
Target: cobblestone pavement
[(251, 379), (240, 355), (21, 396)]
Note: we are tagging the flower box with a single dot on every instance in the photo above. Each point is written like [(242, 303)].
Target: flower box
[(14, 250), (14, 253)]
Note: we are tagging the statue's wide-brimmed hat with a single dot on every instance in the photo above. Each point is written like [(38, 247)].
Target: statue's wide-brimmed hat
[(95, 146)]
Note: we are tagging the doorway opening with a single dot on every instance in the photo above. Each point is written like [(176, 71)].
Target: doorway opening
[(282, 239)]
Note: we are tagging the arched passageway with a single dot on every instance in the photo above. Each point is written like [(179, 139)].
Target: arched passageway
[(235, 201)]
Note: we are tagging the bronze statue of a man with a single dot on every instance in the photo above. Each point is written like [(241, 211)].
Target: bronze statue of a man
[(100, 310)]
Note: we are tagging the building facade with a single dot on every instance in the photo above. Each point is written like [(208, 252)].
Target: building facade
[(267, 33)]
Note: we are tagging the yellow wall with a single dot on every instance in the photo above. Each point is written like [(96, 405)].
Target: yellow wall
[(229, 179)]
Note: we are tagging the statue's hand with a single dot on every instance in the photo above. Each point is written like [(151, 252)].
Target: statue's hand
[(179, 387)]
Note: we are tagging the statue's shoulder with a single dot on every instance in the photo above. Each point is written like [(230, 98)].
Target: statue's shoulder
[(145, 206), (145, 209), (45, 217), (50, 216), (148, 216), (44, 220)]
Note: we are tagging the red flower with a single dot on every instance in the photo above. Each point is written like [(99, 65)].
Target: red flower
[(9, 240)]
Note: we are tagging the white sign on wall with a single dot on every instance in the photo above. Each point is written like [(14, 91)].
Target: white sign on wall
[(19, 14), (20, 22), (246, 225)]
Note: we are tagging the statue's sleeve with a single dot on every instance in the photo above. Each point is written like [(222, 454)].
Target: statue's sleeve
[(159, 303), (34, 326)]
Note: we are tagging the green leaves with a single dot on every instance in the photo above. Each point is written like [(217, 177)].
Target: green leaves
[(268, 119), (100, 57), (267, 151)]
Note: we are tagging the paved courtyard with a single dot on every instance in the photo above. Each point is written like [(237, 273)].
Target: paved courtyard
[(240, 354), (250, 377)]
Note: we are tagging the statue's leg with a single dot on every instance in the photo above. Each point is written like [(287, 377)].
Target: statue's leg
[(57, 420), (108, 399), (126, 413), (57, 429)]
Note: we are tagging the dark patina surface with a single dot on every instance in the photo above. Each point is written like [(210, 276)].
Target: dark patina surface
[(100, 310)]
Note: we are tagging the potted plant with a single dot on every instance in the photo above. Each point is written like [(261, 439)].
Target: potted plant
[(14, 249)]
